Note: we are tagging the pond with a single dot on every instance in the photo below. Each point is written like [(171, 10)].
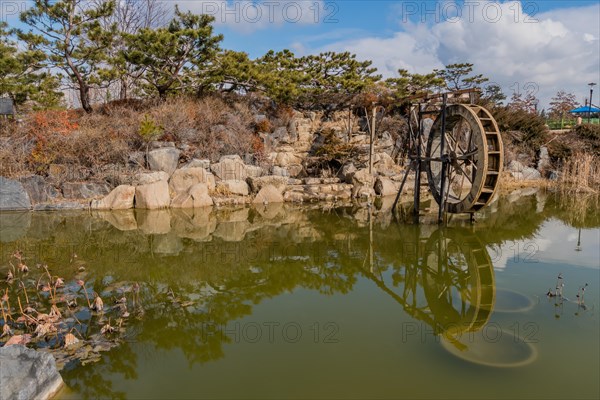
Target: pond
[(337, 302)]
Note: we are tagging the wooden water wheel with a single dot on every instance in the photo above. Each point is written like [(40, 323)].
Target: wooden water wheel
[(472, 155)]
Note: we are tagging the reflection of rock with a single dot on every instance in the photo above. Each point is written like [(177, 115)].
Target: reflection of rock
[(27, 374), (123, 220), (234, 225), (152, 196), (232, 231), (197, 224), (167, 244), (270, 211), (13, 195), (154, 222), (13, 225)]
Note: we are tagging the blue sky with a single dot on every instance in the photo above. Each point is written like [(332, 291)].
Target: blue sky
[(526, 46), (539, 46)]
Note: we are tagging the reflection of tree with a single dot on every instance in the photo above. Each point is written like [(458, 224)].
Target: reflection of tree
[(93, 381)]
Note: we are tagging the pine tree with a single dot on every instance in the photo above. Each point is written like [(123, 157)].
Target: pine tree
[(70, 33), (176, 57)]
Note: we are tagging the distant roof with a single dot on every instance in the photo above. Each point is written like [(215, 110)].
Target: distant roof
[(585, 109)]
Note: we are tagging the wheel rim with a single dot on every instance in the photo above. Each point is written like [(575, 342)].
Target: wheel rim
[(473, 157)]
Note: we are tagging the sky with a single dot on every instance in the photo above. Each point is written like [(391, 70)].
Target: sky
[(537, 47)]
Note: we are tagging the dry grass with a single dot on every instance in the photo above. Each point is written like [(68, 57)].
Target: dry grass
[(580, 173), (210, 127)]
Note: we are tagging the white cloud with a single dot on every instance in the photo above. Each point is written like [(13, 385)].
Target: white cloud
[(250, 16), (554, 50)]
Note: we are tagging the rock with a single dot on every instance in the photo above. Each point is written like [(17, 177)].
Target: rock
[(199, 193), (230, 157), (312, 181), (38, 189), (230, 168), (196, 163), (254, 171), (544, 163), (153, 196), (121, 198), (137, 158), (157, 144), (386, 187), (285, 159), (267, 195), (236, 187), (293, 181), (13, 195), (196, 197), (144, 178), (183, 179), (363, 183), (84, 190), (27, 374), (295, 169), (65, 206), (383, 163), (347, 173), (521, 172), (256, 184), (164, 159), (279, 171)]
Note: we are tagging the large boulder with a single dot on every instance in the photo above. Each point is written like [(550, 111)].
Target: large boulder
[(13, 195), (144, 178), (363, 183), (267, 195), (521, 172), (384, 164), (386, 187), (347, 172), (38, 189), (84, 190), (27, 374), (165, 159), (256, 184), (121, 198), (197, 196), (235, 187), (254, 171), (230, 168), (153, 196), (183, 179), (197, 163)]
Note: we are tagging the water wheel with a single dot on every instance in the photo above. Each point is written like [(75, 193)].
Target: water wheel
[(473, 156)]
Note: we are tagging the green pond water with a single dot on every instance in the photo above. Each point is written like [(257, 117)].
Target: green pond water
[(339, 302)]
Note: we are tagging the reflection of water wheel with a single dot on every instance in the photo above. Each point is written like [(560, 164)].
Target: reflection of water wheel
[(473, 155), (458, 281)]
